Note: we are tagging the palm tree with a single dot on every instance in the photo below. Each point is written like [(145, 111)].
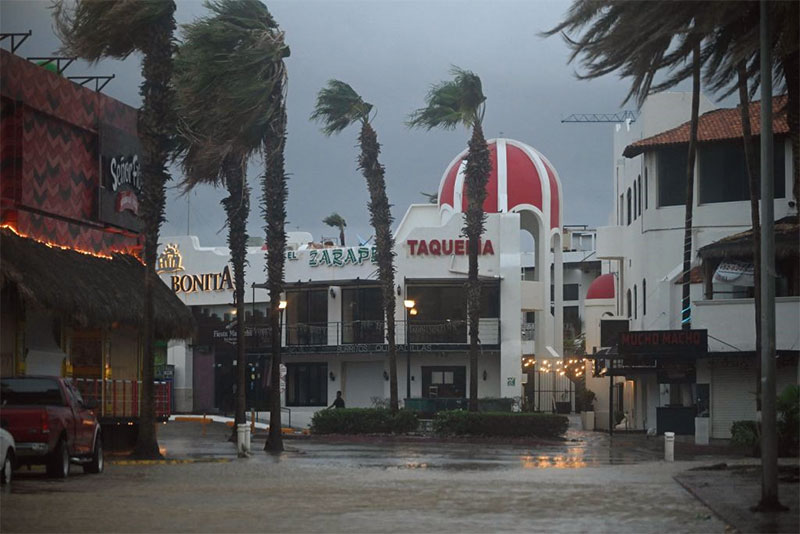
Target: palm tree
[(639, 40), (338, 106), (337, 221), (94, 29), (227, 72), (448, 104), (273, 201)]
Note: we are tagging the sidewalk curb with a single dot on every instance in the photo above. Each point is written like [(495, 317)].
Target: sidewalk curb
[(172, 461), (728, 526)]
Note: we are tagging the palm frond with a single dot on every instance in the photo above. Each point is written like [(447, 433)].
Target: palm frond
[(338, 106), (452, 102), (93, 29), (226, 72), (335, 220)]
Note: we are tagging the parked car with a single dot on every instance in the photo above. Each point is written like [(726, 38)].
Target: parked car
[(51, 424), (7, 456)]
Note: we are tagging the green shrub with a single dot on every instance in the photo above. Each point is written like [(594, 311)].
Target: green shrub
[(462, 423), (363, 421), (746, 434)]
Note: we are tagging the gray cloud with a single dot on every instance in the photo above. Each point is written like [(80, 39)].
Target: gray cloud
[(391, 52)]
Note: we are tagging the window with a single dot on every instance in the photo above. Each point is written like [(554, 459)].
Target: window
[(306, 384), (645, 188), (644, 297), (572, 320), (362, 315), (571, 291), (723, 175), (639, 196), (635, 195), (490, 301), (671, 168), (441, 314), (621, 215), (307, 317), (635, 302), (628, 299), (629, 205)]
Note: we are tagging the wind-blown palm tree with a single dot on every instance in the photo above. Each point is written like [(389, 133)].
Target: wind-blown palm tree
[(95, 29), (228, 70), (448, 104), (639, 40), (336, 221), (338, 106)]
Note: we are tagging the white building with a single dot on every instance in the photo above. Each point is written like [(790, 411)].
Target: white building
[(333, 327), (645, 245)]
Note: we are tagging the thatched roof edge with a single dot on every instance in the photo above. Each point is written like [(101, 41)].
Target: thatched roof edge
[(90, 290)]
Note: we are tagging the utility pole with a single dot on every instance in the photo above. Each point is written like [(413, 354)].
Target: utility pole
[(769, 445)]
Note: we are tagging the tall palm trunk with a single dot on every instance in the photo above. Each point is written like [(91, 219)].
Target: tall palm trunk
[(476, 177), (237, 208), (274, 211), (686, 313), (155, 127), (381, 219), (341, 236), (755, 195)]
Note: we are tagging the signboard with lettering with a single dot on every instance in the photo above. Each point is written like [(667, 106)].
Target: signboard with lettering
[(120, 178), (663, 342)]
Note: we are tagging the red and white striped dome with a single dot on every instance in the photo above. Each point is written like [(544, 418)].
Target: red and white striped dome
[(521, 178)]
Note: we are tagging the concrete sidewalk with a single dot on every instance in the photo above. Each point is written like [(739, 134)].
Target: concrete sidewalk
[(731, 490)]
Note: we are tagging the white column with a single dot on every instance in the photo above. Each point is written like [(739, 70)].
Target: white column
[(510, 306), (558, 282)]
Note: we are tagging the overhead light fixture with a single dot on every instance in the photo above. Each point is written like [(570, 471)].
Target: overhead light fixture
[(282, 305)]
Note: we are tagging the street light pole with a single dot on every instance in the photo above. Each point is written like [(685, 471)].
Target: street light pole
[(410, 310)]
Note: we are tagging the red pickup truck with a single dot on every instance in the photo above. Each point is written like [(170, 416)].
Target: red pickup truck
[(51, 424)]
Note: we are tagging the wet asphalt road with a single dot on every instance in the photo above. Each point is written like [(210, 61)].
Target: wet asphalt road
[(407, 486)]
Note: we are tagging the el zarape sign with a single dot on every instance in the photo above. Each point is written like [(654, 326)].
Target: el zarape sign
[(339, 257), (663, 342), (446, 247)]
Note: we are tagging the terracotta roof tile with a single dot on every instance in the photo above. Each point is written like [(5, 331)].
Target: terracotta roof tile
[(716, 125)]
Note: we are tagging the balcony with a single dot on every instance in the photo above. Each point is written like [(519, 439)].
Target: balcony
[(370, 336), (610, 242), (733, 322)]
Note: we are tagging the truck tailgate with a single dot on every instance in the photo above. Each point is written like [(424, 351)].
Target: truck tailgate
[(26, 423)]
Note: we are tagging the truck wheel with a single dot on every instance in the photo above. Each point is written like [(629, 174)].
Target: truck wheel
[(59, 463), (8, 468), (96, 465)]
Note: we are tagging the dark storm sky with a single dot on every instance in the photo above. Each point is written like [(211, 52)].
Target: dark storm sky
[(391, 52)]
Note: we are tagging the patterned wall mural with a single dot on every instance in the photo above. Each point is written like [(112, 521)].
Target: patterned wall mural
[(49, 157)]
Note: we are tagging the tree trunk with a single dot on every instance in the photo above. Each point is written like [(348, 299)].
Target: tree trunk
[(273, 201), (341, 236), (755, 195), (237, 208), (476, 177), (381, 219), (686, 304), (155, 126)]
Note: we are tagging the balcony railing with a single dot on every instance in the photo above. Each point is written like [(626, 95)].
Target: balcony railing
[(443, 332)]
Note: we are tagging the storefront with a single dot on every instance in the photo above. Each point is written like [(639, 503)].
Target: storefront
[(333, 328)]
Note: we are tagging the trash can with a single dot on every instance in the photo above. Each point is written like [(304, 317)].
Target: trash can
[(243, 439), (669, 446)]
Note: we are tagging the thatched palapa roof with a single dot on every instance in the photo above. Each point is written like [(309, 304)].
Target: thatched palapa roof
[(787, 242), (90, 290)]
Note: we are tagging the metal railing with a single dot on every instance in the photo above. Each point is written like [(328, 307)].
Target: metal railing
[(442, 332), (122, 398)]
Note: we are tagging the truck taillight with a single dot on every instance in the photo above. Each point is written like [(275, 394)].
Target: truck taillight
[(45, 423)]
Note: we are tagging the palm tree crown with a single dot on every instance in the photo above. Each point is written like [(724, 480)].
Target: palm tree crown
[(452, 102), (95, 29), (226, 71), (339, 106)]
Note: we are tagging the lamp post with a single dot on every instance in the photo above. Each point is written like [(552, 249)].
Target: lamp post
[(408, 304)]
